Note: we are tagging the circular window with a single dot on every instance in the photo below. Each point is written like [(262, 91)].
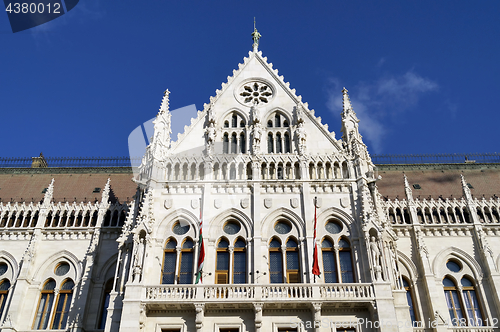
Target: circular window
[(180, 230), (62, 269), (453, 266), (254, 93), (232, 228), (282, 227), (333, 227), (3, 268)]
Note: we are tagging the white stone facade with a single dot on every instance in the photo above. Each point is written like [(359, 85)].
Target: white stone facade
[(258, 165)]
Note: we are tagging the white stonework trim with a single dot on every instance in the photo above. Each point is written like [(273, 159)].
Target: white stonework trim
[(165, 226), (107, 268), (409, 265), (439, 263), (217, 223), (13, 266), (46, 270), (181, 327), (239, 326), (267, 224)]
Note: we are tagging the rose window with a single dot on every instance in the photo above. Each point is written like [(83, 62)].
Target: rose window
[(255, 93)]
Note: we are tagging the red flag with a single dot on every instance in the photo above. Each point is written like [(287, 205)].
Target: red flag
[(315, 269)]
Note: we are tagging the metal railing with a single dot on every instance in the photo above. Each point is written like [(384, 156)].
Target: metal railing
[(26, 162), (439, 158)]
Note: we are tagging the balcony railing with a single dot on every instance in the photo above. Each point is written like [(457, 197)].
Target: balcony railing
[(266, 293)]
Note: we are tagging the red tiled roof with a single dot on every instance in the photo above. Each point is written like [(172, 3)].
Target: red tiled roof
[(75, 184), (439, 180)]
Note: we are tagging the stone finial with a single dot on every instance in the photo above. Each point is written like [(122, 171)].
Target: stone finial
[(465, 188), (255, 36), (346, 101), (49, 194), (165, 102), (105, 192), (408, 192)]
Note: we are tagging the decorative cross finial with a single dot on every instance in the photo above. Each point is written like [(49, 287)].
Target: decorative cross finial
[(255, 36)]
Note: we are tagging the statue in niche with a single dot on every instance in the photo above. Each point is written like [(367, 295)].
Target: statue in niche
[(139, 259), (257, 135), (210, 132), (375, 255), (301, 136)]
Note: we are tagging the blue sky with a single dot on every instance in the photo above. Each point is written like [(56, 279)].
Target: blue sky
[(423, 76)]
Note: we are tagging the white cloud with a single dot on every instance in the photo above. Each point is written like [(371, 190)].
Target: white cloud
[(376, 102)]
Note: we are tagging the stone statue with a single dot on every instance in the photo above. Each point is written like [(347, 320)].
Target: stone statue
[(210, 131), (301, 136), (375, 252), (257, 135), (138, 259)]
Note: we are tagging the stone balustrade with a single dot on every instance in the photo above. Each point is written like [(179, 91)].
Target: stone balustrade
[(362, 292)]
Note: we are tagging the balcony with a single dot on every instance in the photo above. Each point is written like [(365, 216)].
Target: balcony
[(266, 293)]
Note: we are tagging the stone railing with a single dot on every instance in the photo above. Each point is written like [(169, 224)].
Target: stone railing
[(271, 292)]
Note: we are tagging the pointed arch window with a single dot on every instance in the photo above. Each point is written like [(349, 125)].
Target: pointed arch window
[(275, 262), (240, 262), (186, 262), (4, 292), (453, 301), (270, 145), (169, 259), (277, 120), (278, 143), (471, 303), (225, 143), (345, 260), (329, 261), (222, 264), (62, 305), (410, 301), (287, 143), (234, 143), (44, 305), (234, 121), (292, 262), (105, 303), (243, 147)]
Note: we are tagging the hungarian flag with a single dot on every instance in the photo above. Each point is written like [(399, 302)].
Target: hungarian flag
[(201, 256), (315, 269)]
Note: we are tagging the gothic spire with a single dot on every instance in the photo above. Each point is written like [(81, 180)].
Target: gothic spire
[(105, 192), (164, 107), (408, 192), (49, 194), (347, 106), (465, 188)]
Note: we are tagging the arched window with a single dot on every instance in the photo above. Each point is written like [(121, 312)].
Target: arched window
[(278, 143), (277, 120), (409, 300), (345, 259), (270, 147), (240, 262), (287, 143), (292, 262), (243, 146), (471, 303), (226, 124), (62, 305), (44, 305), (329, 261), (270, 124), (275, 262), (225, 143), (105, 303), (234, 121), (169, 259), (222, 264), (453, 302), (4, 292), (186, 263), (234, 143)]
